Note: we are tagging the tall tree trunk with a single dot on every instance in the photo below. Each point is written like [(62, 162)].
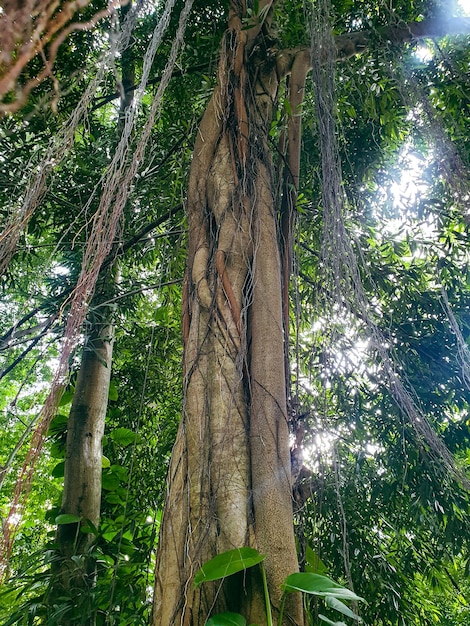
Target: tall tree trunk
[(83, 460), (230, 477)]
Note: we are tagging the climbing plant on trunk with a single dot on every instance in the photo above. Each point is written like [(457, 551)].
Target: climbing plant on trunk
[(230, 476)]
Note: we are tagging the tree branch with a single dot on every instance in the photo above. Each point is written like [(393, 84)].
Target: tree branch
[(12, 331), (102, 100), (145, 230), (9, 462), (13, 337), (33, 343), (352, 44), (355, 43)]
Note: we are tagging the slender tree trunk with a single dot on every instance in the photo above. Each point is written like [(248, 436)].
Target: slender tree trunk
[(230, 477), (83, 460)]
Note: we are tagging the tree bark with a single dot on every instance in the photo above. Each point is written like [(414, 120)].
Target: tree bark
[(229, 482), (83, 460)]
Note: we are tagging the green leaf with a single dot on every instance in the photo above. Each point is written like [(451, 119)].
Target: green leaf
[(110, 482), (57, 450), (341, 607), (226, 619), (120, 471), (109, 536), (66, 397), (58, 424), (89, 528), (105, 462), (330, 621), (60, 610), (122, 436), (113, 391), (314, 563), (114, 498), (51, 514), (161, 314), (106, 559), (67, 518), (228, 563), (58, 471), (317, 585)]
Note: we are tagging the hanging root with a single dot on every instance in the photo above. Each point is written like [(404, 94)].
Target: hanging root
[(296, 87), (222, 272), (344, 290), (116, 188), (463, 353)]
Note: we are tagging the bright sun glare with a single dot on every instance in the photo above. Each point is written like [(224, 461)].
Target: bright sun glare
[(423, 52), (465, 6)]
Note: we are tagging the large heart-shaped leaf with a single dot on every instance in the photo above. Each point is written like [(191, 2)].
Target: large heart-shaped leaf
[(228, 563)]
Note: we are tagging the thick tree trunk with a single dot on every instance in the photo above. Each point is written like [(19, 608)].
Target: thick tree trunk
[(230, 478)]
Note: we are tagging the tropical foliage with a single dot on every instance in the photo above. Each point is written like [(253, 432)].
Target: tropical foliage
[(377, 506)]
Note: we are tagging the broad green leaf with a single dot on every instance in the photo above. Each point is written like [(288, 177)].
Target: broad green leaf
[(58, 424), (57, 450), (318, 585), (114, 498), (330, 621), (226, 619), (67, 518), (105, 462), (122, 436), (109, 481), (228, 563), (109, 536), (106, 559), (314, 563), (120, 471), (341, 607), (58, 471), (66, 397)]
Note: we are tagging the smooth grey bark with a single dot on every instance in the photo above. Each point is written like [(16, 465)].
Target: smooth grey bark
[(83, 460)]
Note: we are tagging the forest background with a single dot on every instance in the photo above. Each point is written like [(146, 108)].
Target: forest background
[(98, 260)]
